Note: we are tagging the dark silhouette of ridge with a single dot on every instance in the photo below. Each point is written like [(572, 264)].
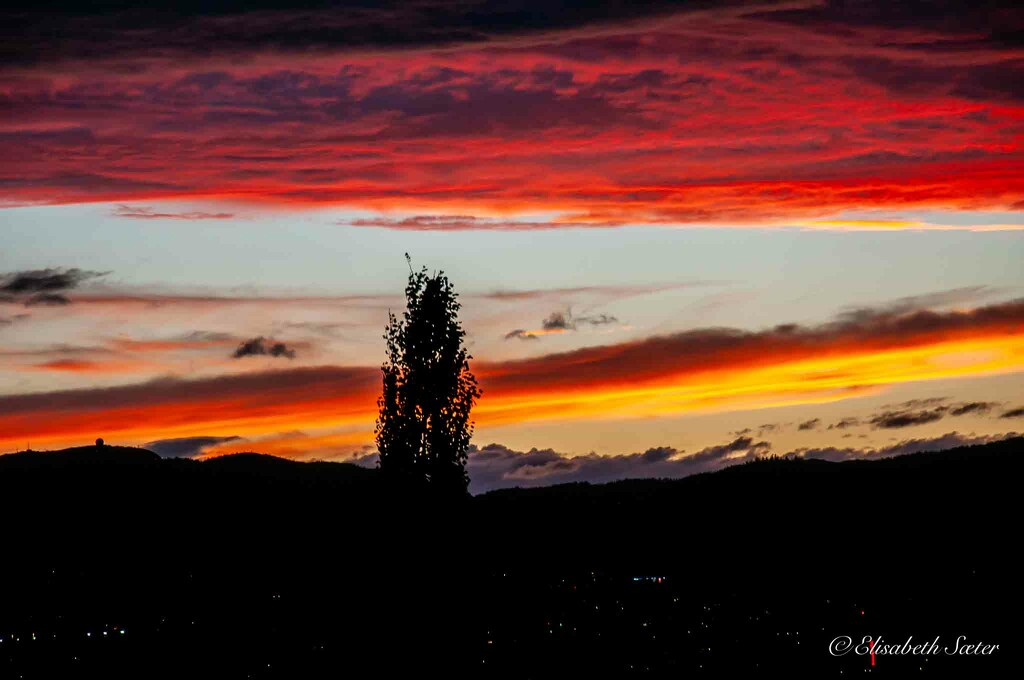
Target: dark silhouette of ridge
[(79, 455), (268, 465), (255, 566)]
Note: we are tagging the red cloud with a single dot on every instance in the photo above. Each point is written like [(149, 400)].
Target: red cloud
[(736, 115)]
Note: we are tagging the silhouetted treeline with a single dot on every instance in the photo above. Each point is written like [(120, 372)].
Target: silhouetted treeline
[(252, 566)]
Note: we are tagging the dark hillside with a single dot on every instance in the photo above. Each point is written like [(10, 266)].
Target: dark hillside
[(253, 566)]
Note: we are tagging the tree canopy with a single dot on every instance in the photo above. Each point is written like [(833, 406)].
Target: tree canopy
[(423, 427)]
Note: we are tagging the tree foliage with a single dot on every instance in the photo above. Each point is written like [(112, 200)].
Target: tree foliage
[(423, 427)]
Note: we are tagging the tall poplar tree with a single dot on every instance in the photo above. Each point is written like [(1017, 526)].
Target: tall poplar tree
[(423, 427)]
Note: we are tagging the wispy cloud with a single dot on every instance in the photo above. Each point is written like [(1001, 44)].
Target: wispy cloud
[(148, 213), (465, 223)]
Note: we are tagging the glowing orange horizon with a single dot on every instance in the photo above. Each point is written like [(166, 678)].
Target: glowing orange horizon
[(697, 371)]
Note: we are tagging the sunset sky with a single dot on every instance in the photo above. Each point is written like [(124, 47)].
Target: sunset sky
[(684, 233)]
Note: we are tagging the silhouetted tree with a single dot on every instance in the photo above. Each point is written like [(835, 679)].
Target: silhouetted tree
[(423, 428)]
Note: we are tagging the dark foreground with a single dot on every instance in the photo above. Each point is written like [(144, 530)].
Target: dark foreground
[(115, 563)]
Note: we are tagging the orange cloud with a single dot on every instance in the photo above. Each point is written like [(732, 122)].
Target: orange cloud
[(89, 366), (708, 369)]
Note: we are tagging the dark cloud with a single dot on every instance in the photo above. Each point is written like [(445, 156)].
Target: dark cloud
[(810, 424), (983, 81), (1014, 413), (43, 286), (918, 412), (920, 403), (34, 33), (946, 441), (185, 447), (37, 32), (568, 322), (979, 407), (559, 322), (260, 346), (495, 466), (896, 419), (520, 334), (658, 454), (510, 102)]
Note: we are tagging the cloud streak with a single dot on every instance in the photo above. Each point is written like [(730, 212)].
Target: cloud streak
[(147, 213)]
